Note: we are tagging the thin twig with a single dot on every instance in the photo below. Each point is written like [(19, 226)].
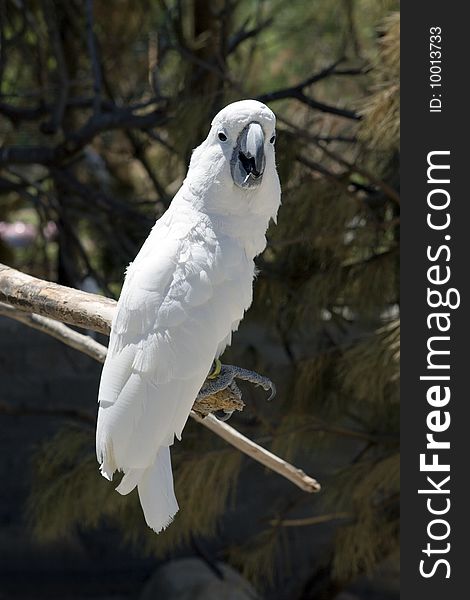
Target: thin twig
[(74, 339), (310, 520), (298, 91), (385, 187), (122, 118), (244, 34)]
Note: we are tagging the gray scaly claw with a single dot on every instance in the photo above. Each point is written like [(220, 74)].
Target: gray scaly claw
[(226, 378), (273, 393), (255, 379)]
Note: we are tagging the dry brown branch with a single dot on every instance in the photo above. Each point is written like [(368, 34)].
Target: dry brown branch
[(64, 304), (263, 456), (21, 295)]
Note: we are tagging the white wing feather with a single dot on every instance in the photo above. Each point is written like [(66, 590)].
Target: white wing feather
[(181, 296)]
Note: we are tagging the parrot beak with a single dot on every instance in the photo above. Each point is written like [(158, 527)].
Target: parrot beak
[(248, 160)]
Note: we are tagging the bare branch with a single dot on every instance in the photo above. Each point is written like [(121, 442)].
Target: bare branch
[(48, 299), (122, 118), (244, 34), (298, 92), (66, 335), (101, 200), (139, 151), (318, 519), (17, 114), (385, 187)]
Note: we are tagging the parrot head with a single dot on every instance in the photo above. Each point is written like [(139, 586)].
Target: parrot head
[(238, 153), (246, 134)]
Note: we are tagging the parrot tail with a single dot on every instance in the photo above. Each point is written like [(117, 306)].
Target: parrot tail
[(156, 493)]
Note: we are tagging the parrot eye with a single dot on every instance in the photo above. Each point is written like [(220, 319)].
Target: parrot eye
[(272, 140), (222, 137)]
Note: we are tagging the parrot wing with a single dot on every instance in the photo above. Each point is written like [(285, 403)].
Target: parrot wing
[(167, 330)]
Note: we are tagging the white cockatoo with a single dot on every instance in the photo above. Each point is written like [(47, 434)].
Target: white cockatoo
[(183, 296)]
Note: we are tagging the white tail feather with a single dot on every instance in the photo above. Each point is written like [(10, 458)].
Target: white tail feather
[(129, 481), (156, 493)]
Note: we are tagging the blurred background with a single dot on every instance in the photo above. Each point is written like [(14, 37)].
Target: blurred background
[(101, 104)]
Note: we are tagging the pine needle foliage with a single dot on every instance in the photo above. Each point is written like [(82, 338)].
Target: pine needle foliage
[(381, 126), (336, 308), (368, 493), (257, 559), (65, 492), (370, 369)]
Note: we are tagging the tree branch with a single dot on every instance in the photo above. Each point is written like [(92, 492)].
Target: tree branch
[(316, 520), (70, 337), (122, 118), (244, 34), (64, 304), (16, 114), (25, 294), (298, 92)]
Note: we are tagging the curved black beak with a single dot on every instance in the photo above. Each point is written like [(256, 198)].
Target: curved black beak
[(248, 160), (251, 154)]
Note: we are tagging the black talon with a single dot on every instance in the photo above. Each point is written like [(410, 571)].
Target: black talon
[(225, 416), (272, 395)]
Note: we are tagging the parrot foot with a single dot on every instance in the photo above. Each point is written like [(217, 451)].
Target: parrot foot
[(231, 372), (223, 377)]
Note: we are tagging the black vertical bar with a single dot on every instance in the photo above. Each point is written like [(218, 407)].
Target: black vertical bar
[(422, 132)]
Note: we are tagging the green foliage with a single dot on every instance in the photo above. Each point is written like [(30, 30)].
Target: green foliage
[(66, 492), (370, 490), (381, 126), (257, 558), (370, 368)]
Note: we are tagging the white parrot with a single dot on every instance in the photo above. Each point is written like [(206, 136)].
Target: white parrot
[(183, 296)]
